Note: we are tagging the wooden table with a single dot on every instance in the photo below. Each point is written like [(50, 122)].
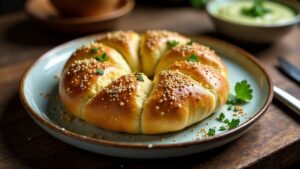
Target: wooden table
[(274, 142)]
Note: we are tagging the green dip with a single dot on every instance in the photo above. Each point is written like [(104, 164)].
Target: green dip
[(232, 11)]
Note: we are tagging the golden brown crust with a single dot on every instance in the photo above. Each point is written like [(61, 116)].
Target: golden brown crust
[(127, 43), (118, 106), (209, 78), (184, 52), (95, 49), (176, 102), (153, 45), (81, 81)]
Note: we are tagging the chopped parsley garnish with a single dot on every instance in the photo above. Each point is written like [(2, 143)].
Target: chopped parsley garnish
[(190, 42), (257, 10), (243, 93), (221, 117), (100, 72), (140, 77), (198, 3), (229, 107), (102, 58), (193, 58), (226, 121), (233, 123), (94, 50), (222, 128), (172, 43), (211, 132)]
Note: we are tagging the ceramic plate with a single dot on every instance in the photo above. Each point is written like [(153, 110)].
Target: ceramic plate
[(39, 94)]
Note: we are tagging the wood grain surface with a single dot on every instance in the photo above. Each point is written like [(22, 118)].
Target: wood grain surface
[(274, 142)]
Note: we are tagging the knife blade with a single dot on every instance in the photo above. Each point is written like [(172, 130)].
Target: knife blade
[(287, 99), (289, 69)]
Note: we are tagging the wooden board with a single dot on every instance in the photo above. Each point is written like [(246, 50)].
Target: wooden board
[(274, 142)]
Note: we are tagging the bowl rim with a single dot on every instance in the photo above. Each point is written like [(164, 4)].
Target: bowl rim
[(78, 137), (122, 10), (293, 21)]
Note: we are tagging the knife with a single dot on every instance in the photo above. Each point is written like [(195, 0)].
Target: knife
[(289, 69), (287, 99), (284, 97)]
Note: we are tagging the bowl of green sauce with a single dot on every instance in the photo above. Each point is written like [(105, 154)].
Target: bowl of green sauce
[(254, 21)]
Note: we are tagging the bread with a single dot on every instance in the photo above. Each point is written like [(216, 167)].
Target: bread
[(102, 85), (153, 45), (121, 104), (127, 43), (177, 101)]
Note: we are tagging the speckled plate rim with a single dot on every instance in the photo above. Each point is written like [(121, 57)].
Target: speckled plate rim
[(83, 138)]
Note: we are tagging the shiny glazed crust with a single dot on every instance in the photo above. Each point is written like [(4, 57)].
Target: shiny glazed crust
[(98, 85)]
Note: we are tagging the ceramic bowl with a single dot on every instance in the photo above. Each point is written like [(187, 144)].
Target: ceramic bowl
[(82, 8), (251, 33), (39, 95), (45, 14)]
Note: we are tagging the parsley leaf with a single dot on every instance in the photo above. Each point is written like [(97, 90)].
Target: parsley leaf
[(94, 50), (233, 123), (243, 93), (193, 58), (102, 58), (226, 121), (100, 72), (222, 128), (211, 132), (172, 43), (198, 3), (190, 42), (139, 77), (221, 117), (256, 10)]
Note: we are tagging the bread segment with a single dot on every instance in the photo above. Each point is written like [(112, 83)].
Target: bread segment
[(94, 50), (153, 45), (118, 106), (207, 76), (81, 82), (183, 52), (175, 102), (125, 42)]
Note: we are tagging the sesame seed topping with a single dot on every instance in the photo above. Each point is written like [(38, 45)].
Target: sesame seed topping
[(172, 81), (154, 36), (121, 90), (122, 37), (81, 72)]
